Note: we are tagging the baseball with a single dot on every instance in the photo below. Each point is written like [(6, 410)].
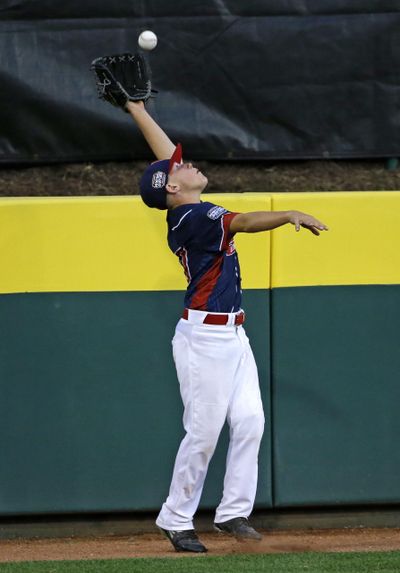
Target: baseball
[(147, 40)]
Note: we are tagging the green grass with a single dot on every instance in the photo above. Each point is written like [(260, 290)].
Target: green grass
[(382, 562)]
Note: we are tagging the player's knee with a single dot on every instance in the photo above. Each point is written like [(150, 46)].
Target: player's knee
[(250, 427), (206, 439)]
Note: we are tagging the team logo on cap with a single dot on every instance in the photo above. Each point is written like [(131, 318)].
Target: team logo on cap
[(158, 180)]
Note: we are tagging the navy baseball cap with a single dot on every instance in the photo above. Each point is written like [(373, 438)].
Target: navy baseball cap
[(155, 178)]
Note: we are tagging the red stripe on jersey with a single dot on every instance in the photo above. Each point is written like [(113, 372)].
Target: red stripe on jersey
[(206, 284), (184, 260), (227, 236)]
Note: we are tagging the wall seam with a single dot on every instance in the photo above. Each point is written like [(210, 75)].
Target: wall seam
[(271, 370)]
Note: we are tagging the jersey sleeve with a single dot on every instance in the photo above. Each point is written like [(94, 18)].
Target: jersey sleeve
[(212, 227)]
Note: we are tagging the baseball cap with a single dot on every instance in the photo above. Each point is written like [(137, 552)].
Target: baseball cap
[(155, 178)]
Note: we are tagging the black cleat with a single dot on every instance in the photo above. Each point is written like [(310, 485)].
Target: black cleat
[(184, 540), (239, 527)]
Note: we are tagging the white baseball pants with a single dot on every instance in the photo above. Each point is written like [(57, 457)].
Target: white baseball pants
[(218, 381)]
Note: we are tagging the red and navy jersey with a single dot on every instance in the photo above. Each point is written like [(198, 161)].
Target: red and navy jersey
[(198, 233)]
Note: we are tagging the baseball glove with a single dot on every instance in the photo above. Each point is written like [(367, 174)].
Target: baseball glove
[(121, 78)]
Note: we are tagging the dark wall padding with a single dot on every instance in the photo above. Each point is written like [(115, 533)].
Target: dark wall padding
[(276, 80)]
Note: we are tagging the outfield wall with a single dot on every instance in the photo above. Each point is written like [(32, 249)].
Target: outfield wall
[(90, 414)]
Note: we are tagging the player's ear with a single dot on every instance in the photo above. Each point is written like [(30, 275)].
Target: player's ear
[(172, 188)]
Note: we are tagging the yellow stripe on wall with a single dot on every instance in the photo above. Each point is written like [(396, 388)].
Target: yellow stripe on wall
[(106, 244), (117, 243), (362, 245)]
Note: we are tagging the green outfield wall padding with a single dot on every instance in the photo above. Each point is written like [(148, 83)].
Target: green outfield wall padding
[(336, 395), (90, 412)]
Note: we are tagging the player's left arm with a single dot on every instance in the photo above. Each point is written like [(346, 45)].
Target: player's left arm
[(268, 220)]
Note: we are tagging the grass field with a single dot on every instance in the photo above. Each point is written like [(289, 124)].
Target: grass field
[(383, 562)]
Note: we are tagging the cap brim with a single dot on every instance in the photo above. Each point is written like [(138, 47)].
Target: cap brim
[(176, 157)]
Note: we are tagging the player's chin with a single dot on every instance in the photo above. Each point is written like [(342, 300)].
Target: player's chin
[(204, 178)]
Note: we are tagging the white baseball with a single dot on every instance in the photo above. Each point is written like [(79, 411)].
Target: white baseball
[(147, 40)]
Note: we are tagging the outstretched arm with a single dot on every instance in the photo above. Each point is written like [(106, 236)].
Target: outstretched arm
[(157, 139), (268, 220)]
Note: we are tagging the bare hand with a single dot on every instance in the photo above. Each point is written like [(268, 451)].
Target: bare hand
[(299, 219)]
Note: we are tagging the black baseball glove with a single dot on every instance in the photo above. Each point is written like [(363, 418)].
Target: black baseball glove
[(122, 78)]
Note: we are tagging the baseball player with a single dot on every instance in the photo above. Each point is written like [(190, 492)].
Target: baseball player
[(215, 365), (214, 361)]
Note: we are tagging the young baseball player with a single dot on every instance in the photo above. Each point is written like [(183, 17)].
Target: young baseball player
[(214, 361)]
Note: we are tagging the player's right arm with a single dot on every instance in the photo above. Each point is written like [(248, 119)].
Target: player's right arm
[(158, 140), (268, 220)]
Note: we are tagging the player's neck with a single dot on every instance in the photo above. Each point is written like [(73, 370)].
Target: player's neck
[(187, 199)]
